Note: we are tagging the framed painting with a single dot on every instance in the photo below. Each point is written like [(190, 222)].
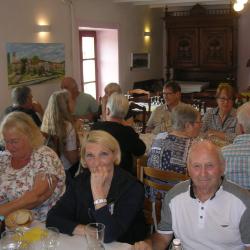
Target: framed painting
[(33, 63), (140, 61)]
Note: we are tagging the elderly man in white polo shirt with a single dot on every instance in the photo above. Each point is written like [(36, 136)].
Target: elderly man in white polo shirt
[(206, 212)]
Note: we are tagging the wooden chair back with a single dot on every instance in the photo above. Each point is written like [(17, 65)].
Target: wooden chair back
[(150, 176), (138, 109), (140, 95)]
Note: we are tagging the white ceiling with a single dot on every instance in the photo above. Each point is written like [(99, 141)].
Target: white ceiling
[(174, 3)]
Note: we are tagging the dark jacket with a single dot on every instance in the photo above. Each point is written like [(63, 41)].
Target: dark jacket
[(128, 139), (29, 112), (126, 197)]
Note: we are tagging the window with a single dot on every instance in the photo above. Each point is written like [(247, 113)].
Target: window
[(88, 62)]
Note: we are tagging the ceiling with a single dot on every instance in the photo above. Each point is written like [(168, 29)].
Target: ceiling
[(174, 3)]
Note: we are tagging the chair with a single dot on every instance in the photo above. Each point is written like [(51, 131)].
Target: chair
[(140, 96), (150, 176), (136, 111)]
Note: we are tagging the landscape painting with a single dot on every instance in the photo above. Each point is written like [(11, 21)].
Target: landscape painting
[(33, 63)]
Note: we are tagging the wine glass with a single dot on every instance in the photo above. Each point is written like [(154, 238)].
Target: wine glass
[(11, 240), (95, 236), (50, 239)]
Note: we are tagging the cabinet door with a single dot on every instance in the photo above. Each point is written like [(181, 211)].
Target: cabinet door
[(216, 47), (183, 47)]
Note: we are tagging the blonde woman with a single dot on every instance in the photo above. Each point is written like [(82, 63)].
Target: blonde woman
[(102, 193), (58, 122), (32, 176)]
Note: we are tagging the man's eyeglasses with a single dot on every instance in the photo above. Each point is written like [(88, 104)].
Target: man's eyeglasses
[(168, 93), (224, 99)]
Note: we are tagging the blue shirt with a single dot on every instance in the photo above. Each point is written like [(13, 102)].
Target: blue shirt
[(237, 157)]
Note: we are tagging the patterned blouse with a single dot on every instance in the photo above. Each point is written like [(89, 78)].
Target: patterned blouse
[(168, 152), (15, 182), (211, 120)]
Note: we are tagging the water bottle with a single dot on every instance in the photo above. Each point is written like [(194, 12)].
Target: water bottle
[(176, 245)]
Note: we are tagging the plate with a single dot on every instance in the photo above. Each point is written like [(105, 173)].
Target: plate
[(19, 218)]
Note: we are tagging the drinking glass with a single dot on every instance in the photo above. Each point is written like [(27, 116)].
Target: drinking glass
[(95, 236), (50, 239), (11, 240), (138, 127)]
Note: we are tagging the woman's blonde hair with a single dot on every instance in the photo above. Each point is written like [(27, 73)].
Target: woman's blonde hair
[(56, 115), (24, 124), (105, 139)]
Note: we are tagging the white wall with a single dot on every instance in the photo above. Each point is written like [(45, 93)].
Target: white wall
[(244, 49), (19, 17)]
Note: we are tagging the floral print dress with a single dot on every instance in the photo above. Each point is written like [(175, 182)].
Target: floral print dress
[(15, 182)]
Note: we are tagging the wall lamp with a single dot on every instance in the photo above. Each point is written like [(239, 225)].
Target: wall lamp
[(43, 28), (239, 5), (147, 33)]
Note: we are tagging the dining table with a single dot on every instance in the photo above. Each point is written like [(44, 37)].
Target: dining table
[(75, 242)]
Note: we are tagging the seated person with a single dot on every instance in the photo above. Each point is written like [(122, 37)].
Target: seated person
[(159, 121), (86, 106), (109, 90), (58, 122), (221, 121), (101, 193), (22, 100), (32, 175), (237, 154), (170, 150), (129, 141), (206, 212)]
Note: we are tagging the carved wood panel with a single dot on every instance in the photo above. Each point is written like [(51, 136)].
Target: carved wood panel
[(183, 45), (216, 47)]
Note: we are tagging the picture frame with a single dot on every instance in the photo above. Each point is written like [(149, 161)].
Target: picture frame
[(34, 63), (140, 61)]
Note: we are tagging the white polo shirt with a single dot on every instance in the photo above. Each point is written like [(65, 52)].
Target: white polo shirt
[(220, 223)]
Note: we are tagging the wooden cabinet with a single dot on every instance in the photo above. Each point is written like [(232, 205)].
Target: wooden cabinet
[(201, 45)]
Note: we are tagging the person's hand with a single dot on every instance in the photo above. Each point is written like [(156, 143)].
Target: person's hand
[(142, 245), (100, 181), (37, 107), (79, 230), (214, 133)]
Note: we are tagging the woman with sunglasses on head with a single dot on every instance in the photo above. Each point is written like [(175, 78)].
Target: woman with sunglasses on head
[(221, 121)]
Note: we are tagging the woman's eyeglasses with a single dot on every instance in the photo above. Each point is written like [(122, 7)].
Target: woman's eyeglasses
[(224, 99)]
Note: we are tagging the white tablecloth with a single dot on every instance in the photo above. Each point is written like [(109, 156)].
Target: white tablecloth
[(148, 140), (67, 242), (80, 243)]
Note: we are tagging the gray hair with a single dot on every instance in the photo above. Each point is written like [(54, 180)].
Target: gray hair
[(243, 117), (118, 105), (182, 114), (24, 124), (19, 95)]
